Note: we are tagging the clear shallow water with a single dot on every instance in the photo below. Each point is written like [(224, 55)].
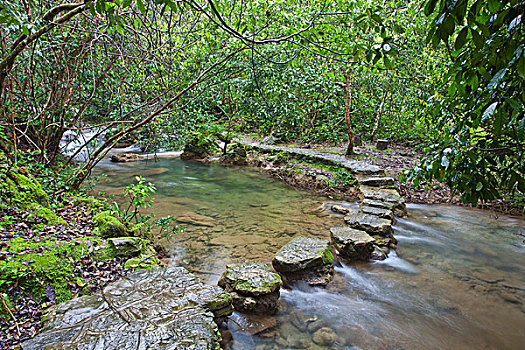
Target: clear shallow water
[(457, 280)]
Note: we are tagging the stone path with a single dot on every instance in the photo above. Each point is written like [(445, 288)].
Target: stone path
[(380, 200)]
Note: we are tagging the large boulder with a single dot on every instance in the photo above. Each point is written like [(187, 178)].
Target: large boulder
[(149, 309), (352, 244), (199, 146), (370, 223), (304, 258), (109, 226), (125, 247), (253, 286), (236, 156), (126, 157)]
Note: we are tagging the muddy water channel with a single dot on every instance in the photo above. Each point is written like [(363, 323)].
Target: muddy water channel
[(457, 280)]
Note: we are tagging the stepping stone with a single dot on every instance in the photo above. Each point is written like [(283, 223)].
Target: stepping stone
[(163, 308), (385, 195), (370, 223), (377, 204), (382, 213), (361, 168), (376, 181), (253, 286), (352, 244), (304, 258)]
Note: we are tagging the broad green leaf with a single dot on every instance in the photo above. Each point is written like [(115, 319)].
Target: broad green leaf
[(479, 186), (141, 7), (461, 39), (478, 39), (520, 67), (496, 79), (429, 7), (494, 5)]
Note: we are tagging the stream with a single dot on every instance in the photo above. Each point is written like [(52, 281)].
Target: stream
[(457, 280)]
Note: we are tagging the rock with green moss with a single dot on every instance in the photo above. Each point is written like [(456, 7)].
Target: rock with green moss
[(352, 244), (126, 247), (143, 261), (109, 226), (253, 286), (199, 146), (305, 258), (160, 308), (236, 156)]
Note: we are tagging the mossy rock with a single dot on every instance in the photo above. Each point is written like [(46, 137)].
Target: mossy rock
[(199, 146), (109, 226), (126, 247)]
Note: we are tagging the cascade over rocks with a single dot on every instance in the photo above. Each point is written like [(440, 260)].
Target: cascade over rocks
[(162, 308), (253, 286), (304, 258)]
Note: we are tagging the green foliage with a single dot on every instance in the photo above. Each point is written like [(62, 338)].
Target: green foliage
[(139, 196), (479, 113)]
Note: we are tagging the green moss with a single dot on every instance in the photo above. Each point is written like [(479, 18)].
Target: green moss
[(143, 262), (109, 226), (46, 262), (221, 301), (328, 257)]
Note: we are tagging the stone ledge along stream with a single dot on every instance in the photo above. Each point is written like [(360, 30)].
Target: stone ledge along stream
[(169, 308)]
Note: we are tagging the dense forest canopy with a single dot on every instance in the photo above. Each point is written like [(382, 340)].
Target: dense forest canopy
[(446, 76)]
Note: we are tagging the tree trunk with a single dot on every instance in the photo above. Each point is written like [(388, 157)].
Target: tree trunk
[(378, 116), (348, 121)]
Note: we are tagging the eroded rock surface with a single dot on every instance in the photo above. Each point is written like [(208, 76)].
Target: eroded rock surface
[(126, 157), (352, 244), (370, 223), (382, 213), (304, 258), (376, 181), (166, 308), (385, 195), (253, 286)]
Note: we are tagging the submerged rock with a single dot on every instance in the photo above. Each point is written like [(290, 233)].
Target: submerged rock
[(253, 286), (325, 336), (192, 218), (149, 309), (304, 258), (126, 157), (369, 223), (352, 244)]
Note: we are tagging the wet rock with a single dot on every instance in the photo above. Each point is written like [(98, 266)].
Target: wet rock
[(376, 181), (192, 218), (369, 223), (378, 254), (377, 204), (155, 171), (254, 287), (352, 244), (109, 226), (126, 157), (314, 326), (382, 213), (304, 258), (385, 195), (340, 209), (325, 336), (125, 247), (149, 309), (299, 319), (252, 324)]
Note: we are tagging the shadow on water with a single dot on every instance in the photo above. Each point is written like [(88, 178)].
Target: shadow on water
[(457, 280)]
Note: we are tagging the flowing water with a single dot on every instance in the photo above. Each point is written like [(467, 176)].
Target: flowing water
[(457, 280)]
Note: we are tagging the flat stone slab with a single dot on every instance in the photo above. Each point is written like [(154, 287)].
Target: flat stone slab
[(162, 308), (376, 181), (252, 279), (304, 258), (352, 244), (370, 223), (377, 204), (382, 213), (385, 195)]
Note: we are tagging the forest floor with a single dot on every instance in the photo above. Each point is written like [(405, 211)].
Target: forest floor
[(29, 267)]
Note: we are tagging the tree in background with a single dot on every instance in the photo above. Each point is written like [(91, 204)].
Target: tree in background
[(479, 111)]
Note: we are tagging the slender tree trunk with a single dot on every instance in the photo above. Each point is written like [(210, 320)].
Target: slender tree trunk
[(348, 120), (378, 116)]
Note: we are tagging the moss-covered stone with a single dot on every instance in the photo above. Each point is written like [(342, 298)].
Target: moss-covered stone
[(126, 247), (199, 146), (109, 226)]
